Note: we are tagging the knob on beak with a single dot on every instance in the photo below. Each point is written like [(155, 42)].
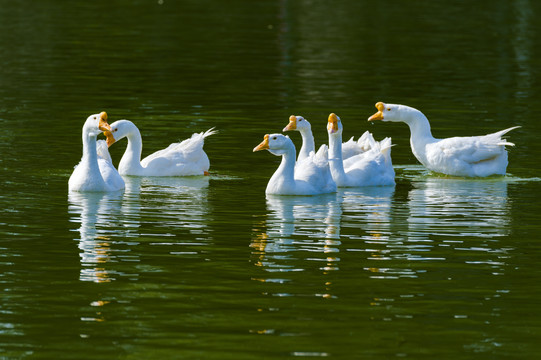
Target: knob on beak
[(103, 125)]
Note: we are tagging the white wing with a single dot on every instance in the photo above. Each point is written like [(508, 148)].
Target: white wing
[(184, 158)]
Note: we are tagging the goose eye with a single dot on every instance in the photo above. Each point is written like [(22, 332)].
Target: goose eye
[(274, 138), (115, 130), (388, 109), (301, 120)]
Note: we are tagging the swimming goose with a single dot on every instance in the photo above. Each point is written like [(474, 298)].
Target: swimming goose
[(92, 173), (310, 176), (178, 159), (372, 168), (473, 156)]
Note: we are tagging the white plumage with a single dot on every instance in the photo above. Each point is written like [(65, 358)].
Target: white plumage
[(94, 172), (107, 169), (178, 159), (371, 168), (349, 148), (472, 156), (310, 176)]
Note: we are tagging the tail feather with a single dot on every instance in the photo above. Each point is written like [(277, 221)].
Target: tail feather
[(194, 140), (367, 141), (497, 136), (505, 131), (323, 151), (386, 145), (209, 132)]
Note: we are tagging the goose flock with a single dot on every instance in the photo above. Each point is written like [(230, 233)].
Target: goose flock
[(364, 162)]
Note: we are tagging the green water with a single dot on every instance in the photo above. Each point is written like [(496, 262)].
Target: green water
[(211, 268)]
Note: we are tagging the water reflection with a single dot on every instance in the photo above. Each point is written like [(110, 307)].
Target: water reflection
[(94, 212), (308, 223), (443, 218), (457, 208), (112, 223), (174, 201), (298, 228), (371, 208)]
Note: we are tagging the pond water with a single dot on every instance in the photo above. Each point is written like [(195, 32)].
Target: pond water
[(211, 267)]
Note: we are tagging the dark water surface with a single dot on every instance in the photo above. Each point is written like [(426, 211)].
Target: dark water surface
[(210, 267)]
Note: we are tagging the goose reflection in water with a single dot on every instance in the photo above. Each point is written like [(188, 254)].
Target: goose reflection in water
[(94, 212), (457, 208), (313, 224), (443, 216), (109, 220), (370, 209), (177, 201), (310, 223), (297, 226), (301, 232)]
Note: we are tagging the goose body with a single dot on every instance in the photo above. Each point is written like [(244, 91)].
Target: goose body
[(94, 173), (178, 159), (107, 169), (371, 168), (471, 156), (310, 176)]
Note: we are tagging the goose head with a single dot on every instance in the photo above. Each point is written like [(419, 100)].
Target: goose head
[(297, 123), (276, 144), (119, 129), (334, 125), (96, 124), (394, 112)]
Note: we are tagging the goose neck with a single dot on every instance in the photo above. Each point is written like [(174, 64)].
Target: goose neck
[(131, 160), (90, 154), (419, 126), (308, 144), (286, 170), (135, 143), (336, 163)]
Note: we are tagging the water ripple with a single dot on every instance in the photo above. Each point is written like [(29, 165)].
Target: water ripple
[(113, 224), (441, 219)]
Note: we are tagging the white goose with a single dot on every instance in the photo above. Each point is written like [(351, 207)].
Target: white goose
[(92, 173), (473, 156), (349, 148), (107, 169), (178, 159), (372, 168), (310, 176)]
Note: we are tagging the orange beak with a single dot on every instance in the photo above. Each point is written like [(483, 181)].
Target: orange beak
[(292, 124), (264, 144), (110, 138), (379, 115), (332, 125), (103, 125)]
